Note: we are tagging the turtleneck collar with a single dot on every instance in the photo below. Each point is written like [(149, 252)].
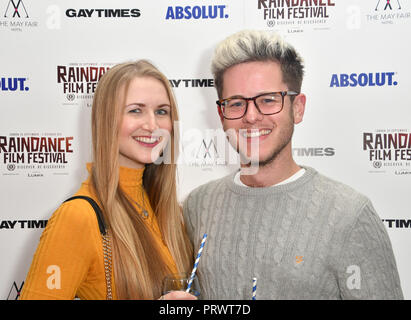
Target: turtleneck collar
[(128, 177)]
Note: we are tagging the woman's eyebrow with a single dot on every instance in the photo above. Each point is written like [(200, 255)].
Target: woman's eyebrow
[(136, 104)]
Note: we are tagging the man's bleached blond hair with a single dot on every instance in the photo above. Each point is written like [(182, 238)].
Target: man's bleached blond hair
[(252, 45)]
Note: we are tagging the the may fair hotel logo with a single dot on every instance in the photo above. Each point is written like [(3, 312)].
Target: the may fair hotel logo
[(296, 15), (388, 12), (17, 16), (78, 81)]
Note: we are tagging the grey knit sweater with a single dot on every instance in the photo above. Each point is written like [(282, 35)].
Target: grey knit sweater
[(313, 238)]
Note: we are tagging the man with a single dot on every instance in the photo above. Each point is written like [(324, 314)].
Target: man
[(301, 234)]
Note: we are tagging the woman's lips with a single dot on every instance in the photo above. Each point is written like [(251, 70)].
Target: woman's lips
[(148, 141)]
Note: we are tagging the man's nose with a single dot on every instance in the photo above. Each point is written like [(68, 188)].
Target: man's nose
[(252, 115)]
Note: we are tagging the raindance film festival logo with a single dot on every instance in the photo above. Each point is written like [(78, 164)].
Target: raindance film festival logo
[(78, 81), (297, 15), (388, 12), (33, 154), (389, 150), (16, 16)]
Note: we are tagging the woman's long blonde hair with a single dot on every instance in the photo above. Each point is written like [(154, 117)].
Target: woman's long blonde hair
[(139, 266)]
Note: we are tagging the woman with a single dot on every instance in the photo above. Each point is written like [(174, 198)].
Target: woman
[(132, 126)]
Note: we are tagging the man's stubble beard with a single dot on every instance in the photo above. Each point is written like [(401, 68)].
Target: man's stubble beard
[(284, 139)]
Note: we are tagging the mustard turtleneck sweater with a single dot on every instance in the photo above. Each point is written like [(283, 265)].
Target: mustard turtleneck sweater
[(68, 262)]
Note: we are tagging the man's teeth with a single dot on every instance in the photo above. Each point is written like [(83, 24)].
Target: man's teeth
[(255, 133), (148, 139)]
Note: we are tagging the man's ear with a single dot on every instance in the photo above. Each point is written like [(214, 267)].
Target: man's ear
[(220, 113), (299, 108)]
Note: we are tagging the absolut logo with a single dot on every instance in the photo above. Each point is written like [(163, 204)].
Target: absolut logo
[(14, 84), (371, 79), (211, 12)]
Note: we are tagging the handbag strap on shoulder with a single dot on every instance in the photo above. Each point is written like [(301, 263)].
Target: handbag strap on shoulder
[(100, 219)]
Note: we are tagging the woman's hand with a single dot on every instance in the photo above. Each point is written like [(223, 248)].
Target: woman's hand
[(178, 295)]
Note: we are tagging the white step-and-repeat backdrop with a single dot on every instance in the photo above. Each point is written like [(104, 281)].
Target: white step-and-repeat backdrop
[(357, 126)]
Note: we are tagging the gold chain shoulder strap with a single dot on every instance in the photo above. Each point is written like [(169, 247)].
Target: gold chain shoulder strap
[(107, 264)]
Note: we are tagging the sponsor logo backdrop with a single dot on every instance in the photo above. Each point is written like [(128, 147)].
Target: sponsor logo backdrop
[(357, 126)]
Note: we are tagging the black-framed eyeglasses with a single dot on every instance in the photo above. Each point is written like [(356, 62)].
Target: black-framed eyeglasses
[(266, 103)]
